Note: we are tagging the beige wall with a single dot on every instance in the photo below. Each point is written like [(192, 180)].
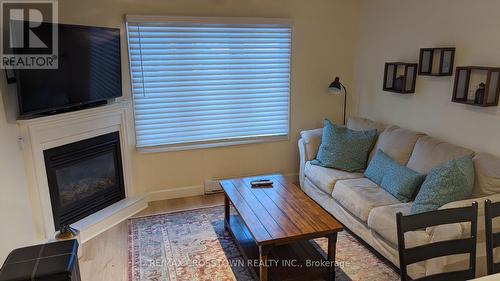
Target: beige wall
[(15, 210), (325, 37), (394, 30), (323, 46)]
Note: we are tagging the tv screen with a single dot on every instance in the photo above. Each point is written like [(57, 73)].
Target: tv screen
[(89, 71)]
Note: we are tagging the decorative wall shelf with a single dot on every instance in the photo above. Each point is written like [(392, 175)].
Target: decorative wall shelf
[(436, 61), (477, 85), (400, 77)]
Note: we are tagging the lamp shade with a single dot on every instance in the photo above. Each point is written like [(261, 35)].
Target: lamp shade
[(335, 87)]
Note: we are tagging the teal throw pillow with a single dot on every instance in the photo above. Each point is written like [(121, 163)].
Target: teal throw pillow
[(344, 149), (377, 167), (452, 181), (402, 182), (398, 180)]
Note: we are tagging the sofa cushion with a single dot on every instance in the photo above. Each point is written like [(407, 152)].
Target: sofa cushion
[(430, 152), (325, 178), (360, 196), (344, 149), (398, 143), (446, 183), (363, 124), (382, 220), (487, 180)]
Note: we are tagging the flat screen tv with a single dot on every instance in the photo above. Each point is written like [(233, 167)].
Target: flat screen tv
[(89, 72)]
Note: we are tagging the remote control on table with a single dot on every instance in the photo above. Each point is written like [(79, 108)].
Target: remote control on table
[(262, 182)]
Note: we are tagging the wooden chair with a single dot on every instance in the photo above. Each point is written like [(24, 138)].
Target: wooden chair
[(416, 254), (491, 211)]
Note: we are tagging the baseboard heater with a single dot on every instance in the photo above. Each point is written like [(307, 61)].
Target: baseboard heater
[(212, 186)]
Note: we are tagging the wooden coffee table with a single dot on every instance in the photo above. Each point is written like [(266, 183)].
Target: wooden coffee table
[(273, 226)]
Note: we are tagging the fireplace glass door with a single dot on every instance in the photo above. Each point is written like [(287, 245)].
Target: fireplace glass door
[(84, 177)]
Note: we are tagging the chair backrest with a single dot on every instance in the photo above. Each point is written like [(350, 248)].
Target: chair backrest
[(416, 254), (491, 211)]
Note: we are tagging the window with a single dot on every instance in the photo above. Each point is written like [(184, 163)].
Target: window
[(209, 81)]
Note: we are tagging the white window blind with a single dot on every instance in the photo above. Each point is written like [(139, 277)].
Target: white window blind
[(205, 82)]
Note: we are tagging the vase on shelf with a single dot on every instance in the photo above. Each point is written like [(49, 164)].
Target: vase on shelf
[(479, 97), (398, 83)]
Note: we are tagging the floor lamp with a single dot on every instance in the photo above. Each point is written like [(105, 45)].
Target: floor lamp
[(336, 88)]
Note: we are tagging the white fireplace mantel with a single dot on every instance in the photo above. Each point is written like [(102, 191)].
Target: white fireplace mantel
[(47, 132)]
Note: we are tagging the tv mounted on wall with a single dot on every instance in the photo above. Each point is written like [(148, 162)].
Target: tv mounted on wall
[(89, 73)]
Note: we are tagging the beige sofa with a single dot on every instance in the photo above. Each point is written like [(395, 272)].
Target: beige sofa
[(370, 212)]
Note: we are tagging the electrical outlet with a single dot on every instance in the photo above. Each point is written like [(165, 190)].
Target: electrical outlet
[(21, 143)]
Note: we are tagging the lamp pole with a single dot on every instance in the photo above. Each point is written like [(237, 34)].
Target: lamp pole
[(345, 102), (336, 86)]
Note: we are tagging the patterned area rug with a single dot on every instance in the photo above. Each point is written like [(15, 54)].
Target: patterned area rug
[(193, 245)]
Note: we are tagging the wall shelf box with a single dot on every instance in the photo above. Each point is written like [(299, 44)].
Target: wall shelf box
[(400, 77), (436, 61), (467, 83)]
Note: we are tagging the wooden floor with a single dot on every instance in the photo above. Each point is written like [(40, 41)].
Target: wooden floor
[(105, 257)]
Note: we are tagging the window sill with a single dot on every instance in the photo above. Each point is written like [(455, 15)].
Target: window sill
[(182, 147)]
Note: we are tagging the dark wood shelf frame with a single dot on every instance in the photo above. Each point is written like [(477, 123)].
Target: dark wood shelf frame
[(395, 69), (462, 84), (446, 61)]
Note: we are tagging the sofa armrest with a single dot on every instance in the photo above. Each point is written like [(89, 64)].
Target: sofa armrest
[(308, 148), (312, 140), (458, 231)]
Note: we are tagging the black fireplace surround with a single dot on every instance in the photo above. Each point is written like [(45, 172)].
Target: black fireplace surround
[(84, 177)]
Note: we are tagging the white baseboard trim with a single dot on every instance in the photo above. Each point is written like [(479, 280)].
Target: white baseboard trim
[(178, 192), (195, 190)]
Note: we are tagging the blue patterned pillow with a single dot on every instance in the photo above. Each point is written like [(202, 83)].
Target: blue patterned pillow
[(449, 182), (344, 149), (377, 167), (400, 181)]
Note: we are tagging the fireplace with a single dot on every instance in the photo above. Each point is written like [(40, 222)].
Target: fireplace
[(84, 177)]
